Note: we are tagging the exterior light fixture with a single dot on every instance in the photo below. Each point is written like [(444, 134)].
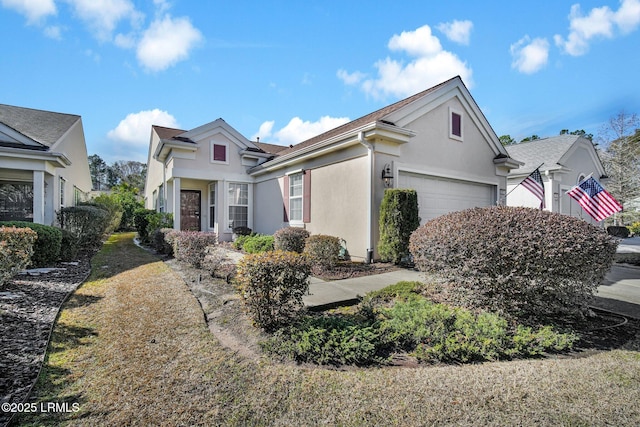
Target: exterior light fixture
[(387, 176)]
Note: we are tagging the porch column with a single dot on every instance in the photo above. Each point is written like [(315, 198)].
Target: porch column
[(176, 203), (38, 197)]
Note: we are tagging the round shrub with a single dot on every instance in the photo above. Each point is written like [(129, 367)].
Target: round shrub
[(258, 243), (16, 249), (519, 261), (89, 223), (290, 239), (323, 250), (271, 285), (46, 249), (618, 231), (190, 246)]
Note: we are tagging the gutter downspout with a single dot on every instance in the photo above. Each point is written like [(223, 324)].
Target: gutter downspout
[(369, 147)]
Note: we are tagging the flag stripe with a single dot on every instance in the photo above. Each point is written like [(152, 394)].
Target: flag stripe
[(594, 199), (534, 184)]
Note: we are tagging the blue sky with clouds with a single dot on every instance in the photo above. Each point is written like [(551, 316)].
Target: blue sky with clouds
[(288, 70)]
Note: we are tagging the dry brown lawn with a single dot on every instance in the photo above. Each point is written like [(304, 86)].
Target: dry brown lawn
[(132, 347)]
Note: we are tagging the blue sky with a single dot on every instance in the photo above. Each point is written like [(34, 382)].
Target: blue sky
[(288, 70)]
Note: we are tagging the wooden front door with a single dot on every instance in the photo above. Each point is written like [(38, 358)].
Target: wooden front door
[(190, 210)]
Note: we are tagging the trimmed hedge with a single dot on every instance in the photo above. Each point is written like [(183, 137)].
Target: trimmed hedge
[(88, 223), (16, 249), (190, 246), (257, 243), (519, 261), (291, 239), (323, 250), (398, 219), (46, 249), (618, 231), (70, 246), (272, 285)]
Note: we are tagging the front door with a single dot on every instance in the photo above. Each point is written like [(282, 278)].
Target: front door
[(190, 210)]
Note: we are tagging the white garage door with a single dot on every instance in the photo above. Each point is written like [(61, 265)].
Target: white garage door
[(438, 196)]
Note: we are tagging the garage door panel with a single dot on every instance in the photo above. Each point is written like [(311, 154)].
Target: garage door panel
[(438, 196)]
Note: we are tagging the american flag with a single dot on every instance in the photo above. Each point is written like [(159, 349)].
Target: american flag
[(534, 184), (594, 199)]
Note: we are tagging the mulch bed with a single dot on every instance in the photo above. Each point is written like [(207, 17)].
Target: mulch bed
[(29, 305)]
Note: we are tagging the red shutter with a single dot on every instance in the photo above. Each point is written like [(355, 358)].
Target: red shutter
[(285, 199), (306, 196)]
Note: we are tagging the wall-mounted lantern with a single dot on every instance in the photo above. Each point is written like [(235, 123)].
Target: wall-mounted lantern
[(387, 176)]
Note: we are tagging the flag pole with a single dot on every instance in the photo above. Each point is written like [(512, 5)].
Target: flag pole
[(505, 196)]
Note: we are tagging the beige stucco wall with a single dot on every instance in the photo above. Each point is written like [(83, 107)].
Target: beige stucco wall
[(433, 152), (77, 174), (154, 172)]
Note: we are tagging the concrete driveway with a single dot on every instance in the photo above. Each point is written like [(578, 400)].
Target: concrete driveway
[(620, 290)]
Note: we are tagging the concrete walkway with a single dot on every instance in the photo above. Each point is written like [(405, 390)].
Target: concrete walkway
[(343, 292), (619, 292)]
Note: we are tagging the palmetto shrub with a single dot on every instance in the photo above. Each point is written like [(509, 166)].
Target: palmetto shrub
[(271, 285), (519, 261), (290, 239)]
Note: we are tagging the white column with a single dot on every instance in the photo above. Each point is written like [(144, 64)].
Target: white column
[(38, 197), (176, 203)]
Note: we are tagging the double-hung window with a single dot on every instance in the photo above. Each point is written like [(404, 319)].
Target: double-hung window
[(238, 201), (295, 197)]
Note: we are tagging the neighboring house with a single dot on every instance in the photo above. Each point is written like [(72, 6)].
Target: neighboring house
[(437, 142), (43, 164), (564, 161)]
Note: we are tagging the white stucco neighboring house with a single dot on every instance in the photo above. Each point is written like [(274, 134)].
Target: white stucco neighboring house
[(43, 163), (563, 161), (437, 142)]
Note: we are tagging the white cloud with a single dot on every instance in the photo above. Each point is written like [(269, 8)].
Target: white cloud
[(628, 16), (166, 42), (103, 16), (529, 56), (431, 64), (33, 10), (53, 32), (601, 22), (350, 78), (135, 129), (298, 130), (264, 132), (457, 31), (416, 43)]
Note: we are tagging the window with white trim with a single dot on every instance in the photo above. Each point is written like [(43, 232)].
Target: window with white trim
[(295, 197), (212, 205), (219, 152), (238, 202), (455, 124), (160, 206)]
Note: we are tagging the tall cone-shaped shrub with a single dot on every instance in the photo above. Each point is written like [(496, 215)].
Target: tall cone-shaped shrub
[(398, 219)]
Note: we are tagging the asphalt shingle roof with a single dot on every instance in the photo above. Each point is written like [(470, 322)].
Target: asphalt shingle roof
[(546, 152), (45, 127)]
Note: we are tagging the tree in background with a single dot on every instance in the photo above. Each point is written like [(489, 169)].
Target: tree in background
[(580, 132), (507, 140), (530, 138), (620, 137), (128, 172), (98, 170)]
